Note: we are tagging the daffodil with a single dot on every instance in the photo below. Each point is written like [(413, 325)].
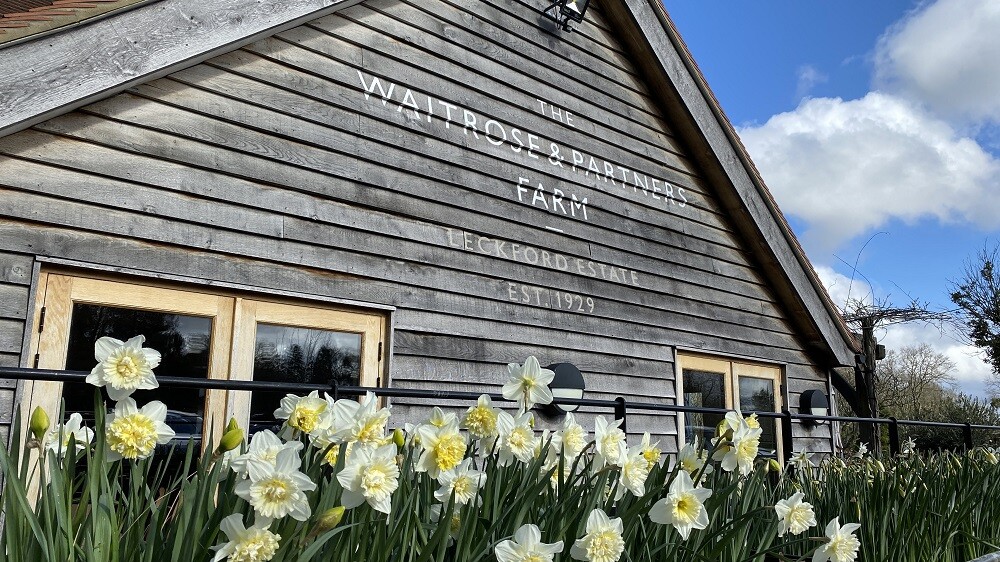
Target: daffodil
[(303, 413), (801, 460), (279, 490), (516, 438), (909, 446), (463, 481), (261, 454), (862, 451), (650, 451), (571, 439), (794, 515), (609, 443), (603, 541), (454, 526), (363, 422), (841, 545), (134, 433), (528, 384), (684, 506), (745, 445), (370, 475), (693, 458), (481, 419), (443, 448), (69, 434), (124, 367), (634, 472), (256, 544), (527, 546)]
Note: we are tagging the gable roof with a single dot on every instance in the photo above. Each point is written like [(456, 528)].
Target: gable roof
[(83, 64)]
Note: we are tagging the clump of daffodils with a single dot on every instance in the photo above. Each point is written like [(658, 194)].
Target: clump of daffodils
[(342, 459)]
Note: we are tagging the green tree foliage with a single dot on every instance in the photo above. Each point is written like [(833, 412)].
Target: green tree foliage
[(977, 294)]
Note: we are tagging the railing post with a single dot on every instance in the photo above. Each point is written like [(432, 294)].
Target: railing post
[(893, 436), (967, 433), (335, 388), (620, 412), (786, 433)]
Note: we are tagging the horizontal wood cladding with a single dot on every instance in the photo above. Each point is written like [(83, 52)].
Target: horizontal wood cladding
[(510, 190)]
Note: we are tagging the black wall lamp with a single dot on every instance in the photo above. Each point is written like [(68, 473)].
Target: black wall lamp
[(564, 11), (567, 383), (814, 403)]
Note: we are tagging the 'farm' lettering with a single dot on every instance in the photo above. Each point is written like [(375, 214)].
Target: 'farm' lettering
[(556, 201)]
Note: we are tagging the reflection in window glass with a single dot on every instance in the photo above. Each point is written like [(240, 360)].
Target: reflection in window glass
[(184, 343), (757, 395), (300, 355), (703, 389)]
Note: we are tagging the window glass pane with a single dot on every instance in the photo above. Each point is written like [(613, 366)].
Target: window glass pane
[(300, 355), (184, 343), (705, 389), (757, 395)]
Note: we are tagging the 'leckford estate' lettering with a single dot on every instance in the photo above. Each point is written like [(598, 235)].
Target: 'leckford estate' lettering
[(530, 255), (519, 141)]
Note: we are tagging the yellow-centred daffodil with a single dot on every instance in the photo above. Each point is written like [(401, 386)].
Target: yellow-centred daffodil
[(794, 515), (527, 546), (684, 506), (603, 541), (528, 384), (256, 544), (134, 433), (841, 545), (124, 367)]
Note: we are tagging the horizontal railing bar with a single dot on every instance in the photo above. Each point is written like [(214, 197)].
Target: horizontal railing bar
[(393, 392)]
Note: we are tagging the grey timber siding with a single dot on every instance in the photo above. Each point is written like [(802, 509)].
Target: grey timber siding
[(269, 166), (15, 276)]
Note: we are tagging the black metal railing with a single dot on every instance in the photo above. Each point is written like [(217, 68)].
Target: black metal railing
[(620, 406)]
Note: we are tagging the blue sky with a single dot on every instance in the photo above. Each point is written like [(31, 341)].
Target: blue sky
[(872, 123)]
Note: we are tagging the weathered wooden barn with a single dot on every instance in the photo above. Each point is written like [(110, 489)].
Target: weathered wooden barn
[(393, 192)]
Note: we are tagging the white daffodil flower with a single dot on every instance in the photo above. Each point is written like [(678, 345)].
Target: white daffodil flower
[(455, 525), (794, 515), (262, 454), (303, 413), (684, 506), (124, 367), (801, 460), (370, 475), (516, 438), (692, 458), (603, 541), (528, 384), (443, 448), (364, 421), (70, 434), (527, 546), (256, 544), (634, 472), (570, 439), (862, 451), (650, 451), (463, 481), (609, 443), (481, 419), (909, 446), (746, 443), (134, 433), (841, 545), (277, 491)]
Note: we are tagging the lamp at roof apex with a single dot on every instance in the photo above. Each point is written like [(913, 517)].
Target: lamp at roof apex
[(567, 383), (562, 11)]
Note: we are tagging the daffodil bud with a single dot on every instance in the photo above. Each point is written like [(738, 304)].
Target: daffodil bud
[(232, 425), (773, 465), (330, 519), (399, 437), (39, 423), (230, 440)]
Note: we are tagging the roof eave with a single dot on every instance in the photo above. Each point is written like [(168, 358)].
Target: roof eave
[(718, 148)]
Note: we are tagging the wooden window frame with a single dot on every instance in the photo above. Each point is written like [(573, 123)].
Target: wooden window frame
[(732, 370), (234, 319)]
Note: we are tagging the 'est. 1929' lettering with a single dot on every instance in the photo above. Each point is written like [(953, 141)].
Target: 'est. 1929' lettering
[(548, 298)]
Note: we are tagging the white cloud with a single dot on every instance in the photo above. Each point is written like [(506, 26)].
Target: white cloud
[(809, 78), (842, 288), (945, 55), (847, 167)]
